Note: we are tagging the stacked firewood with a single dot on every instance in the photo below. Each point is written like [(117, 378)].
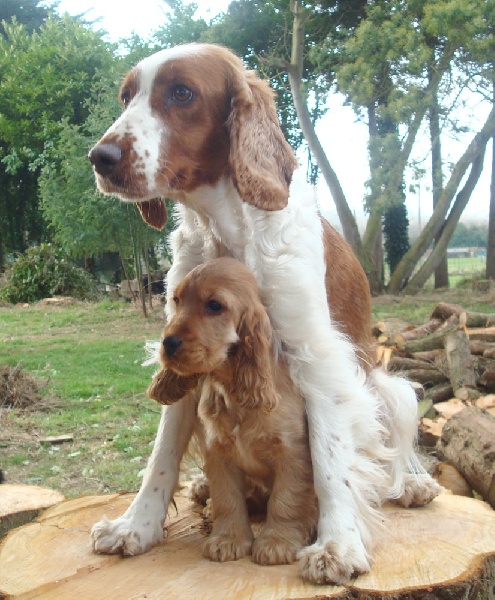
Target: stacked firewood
[(451, 362)]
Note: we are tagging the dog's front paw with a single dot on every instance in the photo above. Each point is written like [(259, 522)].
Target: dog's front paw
[(223, 547), (332, 563), (419, 490), (273, 550), (123, 536)]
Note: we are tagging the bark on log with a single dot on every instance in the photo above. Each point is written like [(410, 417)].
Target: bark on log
[(459, 360), (443, 311), (468, 442), (20, 504), (440, 392), (432, 341), (443, 551), (481, 348), (421, 330), (428, 355), (429, 377), (402, 363), (486, 334)]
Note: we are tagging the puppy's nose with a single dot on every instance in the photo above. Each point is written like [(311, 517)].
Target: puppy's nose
[(171, 344), (105, 157)]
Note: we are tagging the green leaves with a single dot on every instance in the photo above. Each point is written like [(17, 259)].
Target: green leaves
[(42, 273)]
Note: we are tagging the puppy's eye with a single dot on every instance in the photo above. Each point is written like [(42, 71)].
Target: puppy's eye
[(213, 307), (176, 300), (181, 94)]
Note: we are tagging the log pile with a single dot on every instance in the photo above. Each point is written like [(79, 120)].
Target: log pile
[(451, 361)]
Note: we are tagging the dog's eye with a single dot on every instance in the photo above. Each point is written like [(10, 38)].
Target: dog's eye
[(125, 98), (213, 307), (181, 94), (176, 300)]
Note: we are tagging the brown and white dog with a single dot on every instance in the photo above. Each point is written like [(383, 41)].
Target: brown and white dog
[(251, 425), (199, 128)]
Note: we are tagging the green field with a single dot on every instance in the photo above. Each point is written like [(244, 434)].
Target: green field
[(87, 357)]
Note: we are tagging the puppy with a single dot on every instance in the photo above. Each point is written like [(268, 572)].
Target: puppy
[(251, 424)]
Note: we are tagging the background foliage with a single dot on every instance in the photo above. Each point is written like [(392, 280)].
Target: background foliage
[(401, 65)]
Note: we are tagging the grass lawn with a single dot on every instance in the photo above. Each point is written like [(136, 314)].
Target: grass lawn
[(88, 357)]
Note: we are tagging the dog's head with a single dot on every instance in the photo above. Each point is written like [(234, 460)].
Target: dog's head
[(219, 327), (193, 116)]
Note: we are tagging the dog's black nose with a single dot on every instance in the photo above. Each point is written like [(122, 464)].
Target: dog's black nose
[(171, 344), (105, 157)]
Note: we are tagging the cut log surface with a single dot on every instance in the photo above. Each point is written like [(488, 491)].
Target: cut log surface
[(20, 504), (445, 550)]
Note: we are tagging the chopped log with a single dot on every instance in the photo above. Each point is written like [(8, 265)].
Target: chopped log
[(486, 334), (426, 376), (430, 431), (461, 369), (422, 330), (445, 550), (489, 374), (428, 355), (444, 310), (20, 504), (481, 348), (439, 392), (450, 478), (432, 341), (402, 363), (468, 442)]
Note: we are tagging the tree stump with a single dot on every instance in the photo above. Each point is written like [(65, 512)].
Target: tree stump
[(445, 550), (20, 504)]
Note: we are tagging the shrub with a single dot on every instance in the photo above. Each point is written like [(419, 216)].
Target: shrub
[(41, 272)]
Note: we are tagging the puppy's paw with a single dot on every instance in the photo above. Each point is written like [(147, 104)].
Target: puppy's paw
[(273, 550), (224, 547), (199, 491)]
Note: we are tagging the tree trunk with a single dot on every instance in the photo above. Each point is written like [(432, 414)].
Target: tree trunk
[(490, 243), (444, 550), (420, 278), (346, 217), (468, 442), (442, 271), (418, 249)]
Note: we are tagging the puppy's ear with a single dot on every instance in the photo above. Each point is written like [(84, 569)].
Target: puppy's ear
[(254, 385), (261, 160), (167, 387), (153, 212)]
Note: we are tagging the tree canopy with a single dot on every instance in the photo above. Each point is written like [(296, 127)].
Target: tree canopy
[(402, 65)]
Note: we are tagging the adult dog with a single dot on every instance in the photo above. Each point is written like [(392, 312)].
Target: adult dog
[(199, 128)]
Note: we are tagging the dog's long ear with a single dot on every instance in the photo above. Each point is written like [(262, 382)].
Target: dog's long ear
[(254, 384), (167, 387), (261, 160)]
